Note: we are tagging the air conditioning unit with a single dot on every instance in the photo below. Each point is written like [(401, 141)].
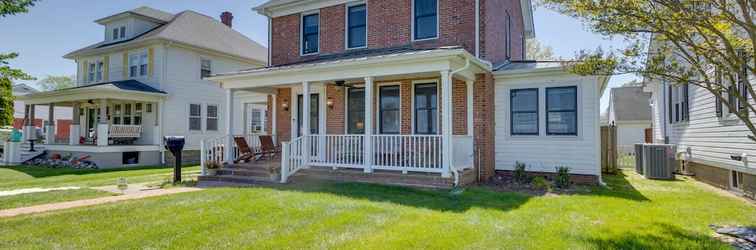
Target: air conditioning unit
[(659, 161), (639, 158)]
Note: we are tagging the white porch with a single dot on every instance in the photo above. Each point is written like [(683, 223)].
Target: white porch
[(313, 143)]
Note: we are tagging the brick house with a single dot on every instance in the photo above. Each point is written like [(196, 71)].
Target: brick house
[(437, 87)]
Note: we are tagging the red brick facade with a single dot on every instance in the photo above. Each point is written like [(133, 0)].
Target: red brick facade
[(283, 115), (483, 124), (335, 118), (390, 25)]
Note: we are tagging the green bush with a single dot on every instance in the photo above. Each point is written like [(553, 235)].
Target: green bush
[(519, 174), (541, 183), (563, 177)]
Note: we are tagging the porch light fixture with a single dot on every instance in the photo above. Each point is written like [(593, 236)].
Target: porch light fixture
[(329, 102), (285, 105)]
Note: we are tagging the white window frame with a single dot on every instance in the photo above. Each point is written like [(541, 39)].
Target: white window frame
[(377, 109), (91, 71), (202, 66), (438, 102), (122, 32), (438, 24), (346, 24), (346, 107), (301, 32), (206, 117), (190, 116), (99, 74), (144, 61)]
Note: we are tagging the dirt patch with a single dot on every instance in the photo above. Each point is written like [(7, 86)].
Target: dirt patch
[(504, 183)]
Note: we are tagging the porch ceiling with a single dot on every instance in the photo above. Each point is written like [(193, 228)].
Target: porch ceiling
[(427, 63)]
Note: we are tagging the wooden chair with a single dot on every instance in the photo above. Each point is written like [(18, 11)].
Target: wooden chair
[(267, 147), (245, 153)]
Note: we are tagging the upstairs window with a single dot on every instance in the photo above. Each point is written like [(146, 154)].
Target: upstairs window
[(205, 68), (115, 34), (100, 66), (357, 26), (425, 19), (91, 72), (143, 64), (133, 65), (561, 111), (310, 32), (524, 108), (122, 30), (119, 33)]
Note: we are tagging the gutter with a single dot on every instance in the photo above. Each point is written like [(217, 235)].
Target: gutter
[(455, 172)]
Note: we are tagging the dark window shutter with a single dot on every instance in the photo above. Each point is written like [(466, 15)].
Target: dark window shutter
[(685, 104), (670, 107), (718, 93)]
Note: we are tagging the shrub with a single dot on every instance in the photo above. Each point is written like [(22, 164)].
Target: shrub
[(519, 174), (541, 183), (562, 177)]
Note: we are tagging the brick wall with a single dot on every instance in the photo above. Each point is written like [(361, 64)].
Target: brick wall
[(493, 29), (405, 92), (720, 178), (389, 25), (335, 118), (459, 102), (483, 119), (283, 117)]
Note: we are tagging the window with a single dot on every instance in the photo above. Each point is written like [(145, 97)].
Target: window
[(212, 118), (100, 66), (356, 111), (91, 75), (143, 64), (426, 109), (149, 107), (119, 33), (205, 68), (314, 114), (130, 158), (195, 117), (138, 114), (389, 109), (743, 80), (133, 65), (123, 31), (561, 111), (117, 114), (524, 116), (425, 19), (310, 30), (737, 179), (357, 26), (678, 103), (115, 34), (127, 114), (255, 121)]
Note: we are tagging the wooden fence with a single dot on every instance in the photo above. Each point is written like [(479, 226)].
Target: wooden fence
[(609, 149)]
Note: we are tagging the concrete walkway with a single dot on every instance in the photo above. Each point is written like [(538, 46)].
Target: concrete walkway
[(96, 201), (34, 190)]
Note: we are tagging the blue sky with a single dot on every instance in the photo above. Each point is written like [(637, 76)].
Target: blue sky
[(54, 28)]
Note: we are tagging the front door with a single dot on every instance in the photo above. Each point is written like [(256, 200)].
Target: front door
[(314, 114), (91, 122)]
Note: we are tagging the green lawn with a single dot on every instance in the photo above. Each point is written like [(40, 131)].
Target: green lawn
[(31, 199), (633, 213), (16, 177)]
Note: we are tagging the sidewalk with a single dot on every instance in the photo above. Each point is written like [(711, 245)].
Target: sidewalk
[(133, 195)]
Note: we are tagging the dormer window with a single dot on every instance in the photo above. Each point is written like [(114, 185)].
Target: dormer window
[(91, 72), (206, 68), (425, 19), (310, 32), (119, 33)]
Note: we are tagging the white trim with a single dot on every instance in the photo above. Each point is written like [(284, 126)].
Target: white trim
[(377, 108), (218, 117), (301, 32), (542, 111), (477, 28), (346, 24), (412, 23), (436, 81), (189, 117)]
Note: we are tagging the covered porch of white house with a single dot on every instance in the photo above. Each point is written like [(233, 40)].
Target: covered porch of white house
[(406, 113), (115, 115)]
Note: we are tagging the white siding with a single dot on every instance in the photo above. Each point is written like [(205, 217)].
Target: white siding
[(240, 101), (543, 153), (628, 134)]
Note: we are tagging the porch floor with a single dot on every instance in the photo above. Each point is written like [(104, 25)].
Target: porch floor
[(268, 172)]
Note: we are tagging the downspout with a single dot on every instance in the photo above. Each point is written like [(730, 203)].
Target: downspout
[(454, 171)]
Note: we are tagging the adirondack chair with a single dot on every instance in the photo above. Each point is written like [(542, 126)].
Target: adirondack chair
[(245, 153), (267, 147)]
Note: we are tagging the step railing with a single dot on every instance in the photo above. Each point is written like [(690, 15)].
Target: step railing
[(214, 150), (292, 158)]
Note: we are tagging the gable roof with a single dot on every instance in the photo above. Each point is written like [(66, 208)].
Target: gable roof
[(193, 29), (629, 104)]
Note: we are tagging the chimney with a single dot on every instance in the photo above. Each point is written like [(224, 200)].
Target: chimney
[(227, 18)]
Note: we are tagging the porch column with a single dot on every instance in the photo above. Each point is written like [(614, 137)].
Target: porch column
[(50, 124), (29, 132), (102, 124), (446, 126), (158, 122), (368, 158), (469, 108), (306, 122), (229, 126), (74, 130)]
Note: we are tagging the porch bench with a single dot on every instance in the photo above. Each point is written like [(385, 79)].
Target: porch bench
[(124, 134)]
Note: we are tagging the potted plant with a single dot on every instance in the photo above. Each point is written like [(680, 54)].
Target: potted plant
[(212, 167)]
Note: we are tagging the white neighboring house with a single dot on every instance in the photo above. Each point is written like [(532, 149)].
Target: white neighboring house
[(707, 133), (145, 80), (629, 110)]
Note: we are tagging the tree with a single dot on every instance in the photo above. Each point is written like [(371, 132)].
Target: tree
[(8, 74), (536, 51), (704, 43), (51, 83)]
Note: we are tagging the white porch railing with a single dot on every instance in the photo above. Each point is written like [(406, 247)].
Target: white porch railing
[(337, 150), (124, 131), (213, 149), (417, 153), (292, 159)]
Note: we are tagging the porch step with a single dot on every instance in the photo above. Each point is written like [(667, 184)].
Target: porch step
[(243, 173), (237, 179)]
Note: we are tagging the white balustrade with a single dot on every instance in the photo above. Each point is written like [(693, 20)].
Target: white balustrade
[(292, 159)]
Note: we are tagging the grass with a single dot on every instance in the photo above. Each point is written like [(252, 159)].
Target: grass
[(632, 213), (31, 199), (16, 177)]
